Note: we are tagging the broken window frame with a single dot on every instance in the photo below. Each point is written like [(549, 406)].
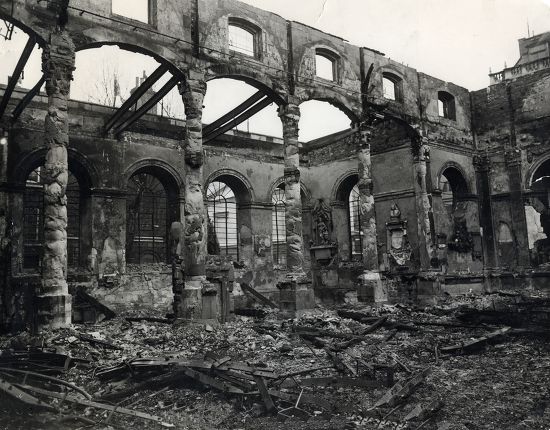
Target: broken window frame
[(396, 85), (354, 225), (159, 211), (326, 55), (247, 29), (151, 7), (219, 194), (33, 207), (278, 230), (446, 105)]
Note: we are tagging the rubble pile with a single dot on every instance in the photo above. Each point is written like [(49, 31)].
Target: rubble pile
[(474, 363)]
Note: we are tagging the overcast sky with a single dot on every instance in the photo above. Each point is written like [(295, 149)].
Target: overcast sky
[(454, 40)]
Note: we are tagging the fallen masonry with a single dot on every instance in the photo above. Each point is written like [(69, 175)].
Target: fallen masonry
[(387, 367)]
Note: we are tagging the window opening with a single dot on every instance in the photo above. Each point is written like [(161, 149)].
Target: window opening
[(33, 220), (324, 67), (389, 89), (242, 40), (356, 240), (222, 212), (446, 105), (134, 9), (147, 220), (278, 238)]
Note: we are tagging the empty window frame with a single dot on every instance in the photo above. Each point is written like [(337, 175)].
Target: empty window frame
[(133, 9), (222, 213), (446, 105), (33, 220), (147, 223), (392, 86), (355, 233), (326, 65), (278, 235), (243, 38)]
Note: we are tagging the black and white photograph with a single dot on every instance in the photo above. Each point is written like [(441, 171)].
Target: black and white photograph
[(274, 214)]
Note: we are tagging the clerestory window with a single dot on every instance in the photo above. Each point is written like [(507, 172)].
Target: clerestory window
[(243, 38), (446, 105), (326, 65), (135, 9), (392, 87)]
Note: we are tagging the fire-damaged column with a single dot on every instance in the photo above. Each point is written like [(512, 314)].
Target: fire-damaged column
[(53, 300), (371, 288), (188, 297), (517, 205), (290, 117), (421, 155), (296, 294), (481, 165)]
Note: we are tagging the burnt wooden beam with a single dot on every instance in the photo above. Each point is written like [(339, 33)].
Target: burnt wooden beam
[(146, 107), (27, 99), (27, 50), (135, 96), (236, 121), (230, 115)]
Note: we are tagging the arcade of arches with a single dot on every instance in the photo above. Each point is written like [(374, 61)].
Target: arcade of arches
[(430, 183)]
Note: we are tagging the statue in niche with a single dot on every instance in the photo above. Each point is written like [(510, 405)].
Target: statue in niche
[(398, 243), (461, 241), (322, 222)]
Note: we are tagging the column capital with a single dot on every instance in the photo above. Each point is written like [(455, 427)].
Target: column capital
[(512, 157), (58, 62), (481, 162)]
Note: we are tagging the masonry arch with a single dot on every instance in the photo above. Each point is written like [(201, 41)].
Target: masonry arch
[(137, 49), (228, 197), (452, 182), (279, 183), (345, 104), (30, 180), (346, 212), (249, 76), (152, 205), (238, 183), (39, 34)]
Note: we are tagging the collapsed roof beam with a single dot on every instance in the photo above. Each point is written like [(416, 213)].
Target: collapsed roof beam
[(16, 75), (238, 120), (27, 99), (230, 115), (135, 96), (147, 105)]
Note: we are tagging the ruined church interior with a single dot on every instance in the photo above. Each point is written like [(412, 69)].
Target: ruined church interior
[(350, 243)]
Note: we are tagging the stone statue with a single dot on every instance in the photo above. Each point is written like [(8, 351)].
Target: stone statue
[(322, 222)]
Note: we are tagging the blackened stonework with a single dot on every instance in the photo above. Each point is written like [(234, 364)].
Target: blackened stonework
[(54, 302), (496, 143)]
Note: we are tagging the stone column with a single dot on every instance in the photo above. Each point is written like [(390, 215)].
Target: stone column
[(188, 300), (370, 279), (482, 167), (517, 206), (290, 116), (421, 154), (54, 302)]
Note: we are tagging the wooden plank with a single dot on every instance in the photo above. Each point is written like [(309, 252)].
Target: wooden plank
[(268, 401), (21, 396), (402, 389), (260, 297), (89, 403), (473, 344)]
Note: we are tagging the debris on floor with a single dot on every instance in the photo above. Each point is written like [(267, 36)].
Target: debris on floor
[(455, 366)]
